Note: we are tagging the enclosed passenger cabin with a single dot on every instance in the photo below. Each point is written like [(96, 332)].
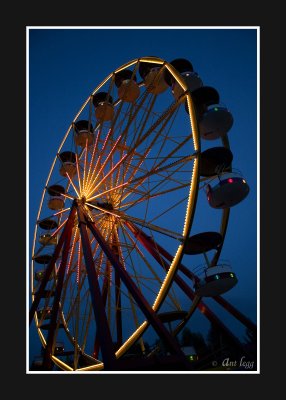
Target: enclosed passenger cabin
[(56, 201), (210, 280), (170, 316), (215, 160), (128, 89), (68, 161), (215, 122), (230, 190), (214, 281), (203, 98), (39, 275), (83, 130), (203, 242), (42, 258), (153, 77), (104, 109), (46, 239), (48, 224), (191, 78)]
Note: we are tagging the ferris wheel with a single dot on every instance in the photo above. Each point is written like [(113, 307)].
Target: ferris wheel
[(118, 213)]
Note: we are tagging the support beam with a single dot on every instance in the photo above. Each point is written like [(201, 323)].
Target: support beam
[(145, 307), (220, 300), (157, 252), (108, 354)]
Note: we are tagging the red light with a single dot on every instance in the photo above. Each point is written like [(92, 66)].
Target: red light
[(230, 180)]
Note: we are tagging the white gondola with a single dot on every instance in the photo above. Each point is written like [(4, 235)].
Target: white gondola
[(214, 281), (230, 190), (215, 122), (192, 80)]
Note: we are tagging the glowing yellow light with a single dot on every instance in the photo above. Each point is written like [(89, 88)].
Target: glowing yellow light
[(99, 157), (92, 157), (61, 364), (61, 212), (72, 185)]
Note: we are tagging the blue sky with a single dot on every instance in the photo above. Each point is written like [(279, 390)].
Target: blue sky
[(65, 65)]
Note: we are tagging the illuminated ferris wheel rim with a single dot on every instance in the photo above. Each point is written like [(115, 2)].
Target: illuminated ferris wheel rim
[(190, 204)]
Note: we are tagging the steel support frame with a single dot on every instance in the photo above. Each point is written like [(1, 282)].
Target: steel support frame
[(104, 335), (147, 310), (157, 252)]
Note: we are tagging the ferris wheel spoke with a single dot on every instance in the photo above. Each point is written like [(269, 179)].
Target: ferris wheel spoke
[(145, 197), (164, 119), (95, 148), (145, 118), (67, 196), (133, 115), (99, 159), (166, 137), (142, 138), (152, 227), (141, 179), (141, 254), (167, 114), (91, 189), (148, 194), (85, 164), (72, 253), (129, 258)]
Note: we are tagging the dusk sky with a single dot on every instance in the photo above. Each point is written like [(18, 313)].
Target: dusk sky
[(65, 66)]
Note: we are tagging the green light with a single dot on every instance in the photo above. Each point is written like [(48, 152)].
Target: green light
[(191, 358), (231, 275), (217, 277), (216, 109)]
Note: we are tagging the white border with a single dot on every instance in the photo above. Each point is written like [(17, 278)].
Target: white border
[(28, 28)]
